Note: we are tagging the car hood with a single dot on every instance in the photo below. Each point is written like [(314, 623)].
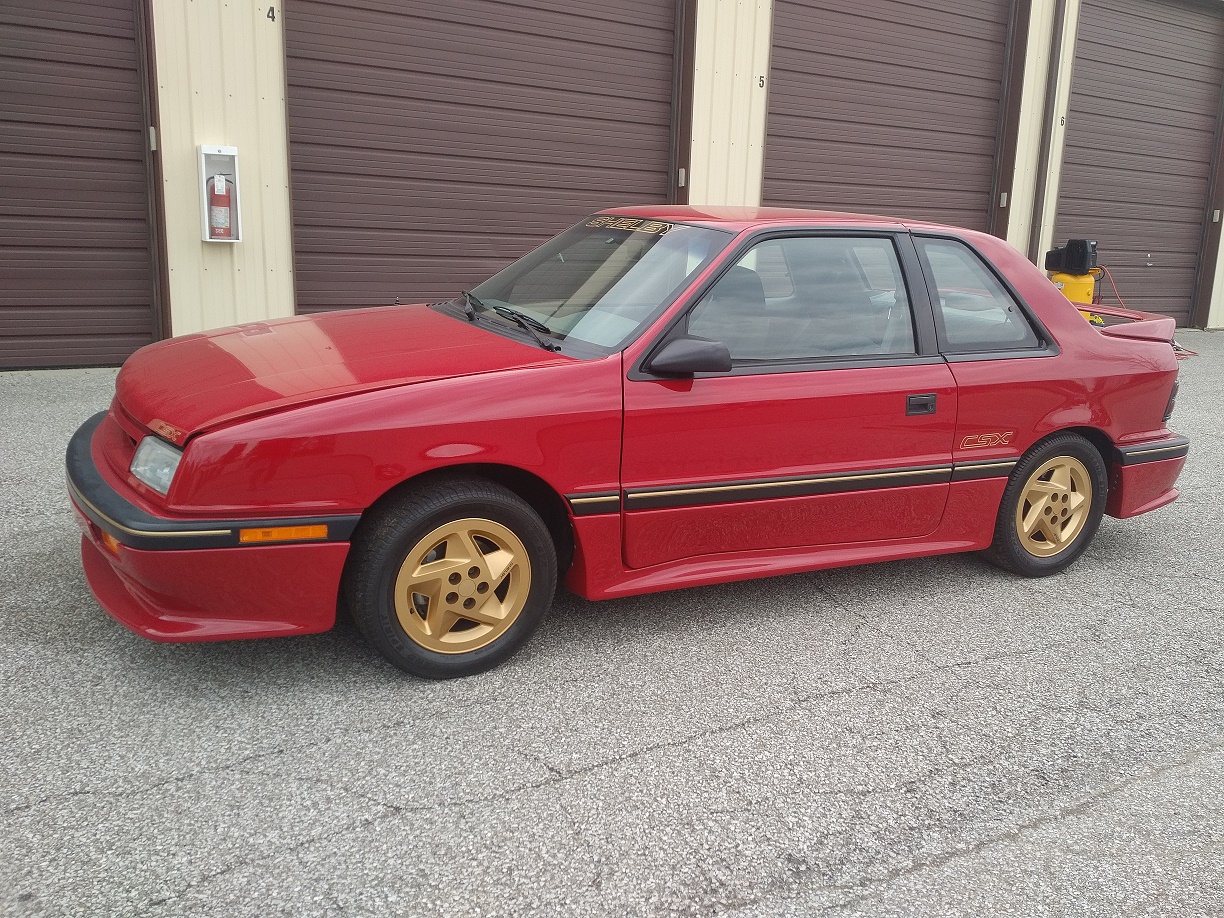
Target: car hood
[(182, 386)]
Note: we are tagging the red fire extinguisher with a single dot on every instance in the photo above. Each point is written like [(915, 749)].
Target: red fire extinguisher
[(220, 204)]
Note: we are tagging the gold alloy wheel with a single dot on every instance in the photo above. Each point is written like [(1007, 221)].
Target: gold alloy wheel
[(1054, 506), (462, 586)]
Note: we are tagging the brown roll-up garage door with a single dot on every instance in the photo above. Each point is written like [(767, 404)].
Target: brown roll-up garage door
[(77, 284), (1141, 135), (432, 143), (886, 106)]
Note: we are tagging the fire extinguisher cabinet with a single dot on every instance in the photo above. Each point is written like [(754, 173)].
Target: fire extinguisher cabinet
[(220, 195)]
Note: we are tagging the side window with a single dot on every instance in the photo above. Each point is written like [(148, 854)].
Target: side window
[(974, 312), (807, 297)]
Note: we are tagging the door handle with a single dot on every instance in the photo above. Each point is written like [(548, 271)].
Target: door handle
[(920, 404)]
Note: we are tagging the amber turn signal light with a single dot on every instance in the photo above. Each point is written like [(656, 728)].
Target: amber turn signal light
[(110, 542), (283, 534)]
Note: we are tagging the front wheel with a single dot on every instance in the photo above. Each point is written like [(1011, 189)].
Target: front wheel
[(1052, 507), (452, 579)]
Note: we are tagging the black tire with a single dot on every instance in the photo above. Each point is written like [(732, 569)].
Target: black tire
[(1062, 531), (479, 523)]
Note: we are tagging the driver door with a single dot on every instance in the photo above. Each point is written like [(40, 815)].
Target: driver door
[(834, 425)]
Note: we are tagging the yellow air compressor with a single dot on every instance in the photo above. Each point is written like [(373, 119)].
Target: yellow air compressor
[(1073, 269)]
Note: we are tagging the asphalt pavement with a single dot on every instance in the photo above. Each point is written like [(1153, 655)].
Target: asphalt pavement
[(923, 738)]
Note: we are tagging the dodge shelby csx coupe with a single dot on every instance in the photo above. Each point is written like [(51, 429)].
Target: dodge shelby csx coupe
[(657, 398)]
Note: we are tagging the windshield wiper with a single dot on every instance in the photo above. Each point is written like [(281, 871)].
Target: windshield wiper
[(528, 324), (468, 301)]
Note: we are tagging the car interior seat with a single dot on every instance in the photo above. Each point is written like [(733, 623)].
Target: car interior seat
[(733, 312)]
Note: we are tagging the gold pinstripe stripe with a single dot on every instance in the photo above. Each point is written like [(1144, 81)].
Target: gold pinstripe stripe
[(80, 498)]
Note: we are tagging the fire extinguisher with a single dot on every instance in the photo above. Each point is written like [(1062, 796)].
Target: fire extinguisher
[(220, 208)]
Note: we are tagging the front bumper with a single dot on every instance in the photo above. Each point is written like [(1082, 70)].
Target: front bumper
[(192, 580)]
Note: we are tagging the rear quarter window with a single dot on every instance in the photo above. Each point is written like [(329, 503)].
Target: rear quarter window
[(973, 310)]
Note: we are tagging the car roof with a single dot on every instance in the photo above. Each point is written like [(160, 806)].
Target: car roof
[(738, 219)]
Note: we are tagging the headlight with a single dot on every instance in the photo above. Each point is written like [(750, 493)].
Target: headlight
[(155, 463)]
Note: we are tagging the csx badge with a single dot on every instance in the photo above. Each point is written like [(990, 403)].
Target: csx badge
[(169, 431), (980, 441)]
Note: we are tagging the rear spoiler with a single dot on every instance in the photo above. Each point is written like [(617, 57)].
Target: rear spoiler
[(1127, 323), (1157, 328)]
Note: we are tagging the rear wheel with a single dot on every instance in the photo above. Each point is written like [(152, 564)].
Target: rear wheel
[(452, 579), (1052, 507)]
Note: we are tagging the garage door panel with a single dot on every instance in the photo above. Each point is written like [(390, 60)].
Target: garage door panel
[(89, 87), (468, 196), (416, 173), (930, 24), (48, 231), (1146, 177), (844, 162), (105, 179), (1149, 136), (958, 209), (371, 101), (541, 17), (74, 233), (1166, 271), (1127, 182), (1135, 203), (489, 65), (495, 175), (512, 53), (1151, 102), (69, 321), (97, 348), (876, 62), (879, 142), (46, 141), (889, 108), (886, 106), (368, 126), (36, 43), (1148, 37), (360, 280), (1141, 137), (556, 159), (73, 20)]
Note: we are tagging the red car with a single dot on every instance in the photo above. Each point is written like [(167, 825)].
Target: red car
[(657, 398)]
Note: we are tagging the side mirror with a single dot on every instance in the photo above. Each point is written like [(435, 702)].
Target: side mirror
[(685, 356)]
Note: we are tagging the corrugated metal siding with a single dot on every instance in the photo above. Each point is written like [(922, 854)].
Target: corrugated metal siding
[(432, 144), (886, 106), (74, 238), (1145, 97)]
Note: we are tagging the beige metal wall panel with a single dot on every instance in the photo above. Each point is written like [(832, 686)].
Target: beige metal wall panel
[(729, 101), (221, 81), (1215, 319), (1032, 118), (1046, 207)]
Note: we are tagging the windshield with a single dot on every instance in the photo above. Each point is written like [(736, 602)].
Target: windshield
[(599, 281)]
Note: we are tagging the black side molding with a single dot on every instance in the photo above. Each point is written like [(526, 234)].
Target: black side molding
[(1174, 448), (594, 503), (769, 488)]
